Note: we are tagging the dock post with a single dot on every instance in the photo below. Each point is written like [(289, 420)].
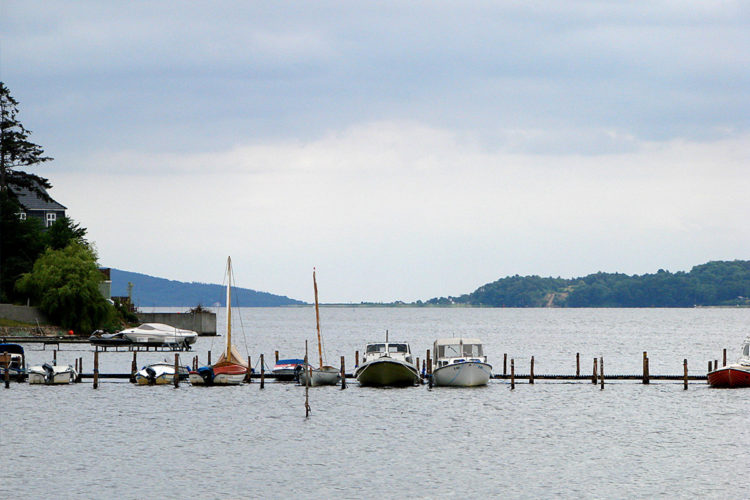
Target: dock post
[(277, 356), (133, 368), (428, 360), (209, 358), (645, 368), (601, 371), (505, 364), (249, 378), (709, 366), (725, 358), (356, 359), (418, 372), (176, 370), (80, 369), (578, 364), (531, 373), (262, 372), (593, 377), (716, 364), (685, 374), (6, 366), (343, 374), (54, 356), (96, 368), (512, 375)]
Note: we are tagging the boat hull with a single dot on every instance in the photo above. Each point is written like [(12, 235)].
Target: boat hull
[(466, 374), (230, 374), (327, 375), (733, 376), (61, 375), (385, 371)]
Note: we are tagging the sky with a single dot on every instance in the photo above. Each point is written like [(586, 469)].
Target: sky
[(407, 150)]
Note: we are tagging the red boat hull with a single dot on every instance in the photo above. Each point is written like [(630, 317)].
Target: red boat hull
[(730, 377)]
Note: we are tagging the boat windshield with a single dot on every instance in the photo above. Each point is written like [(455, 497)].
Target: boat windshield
[(473, 350), (376, 348), (455, 351), (397, 348), (746, 350)]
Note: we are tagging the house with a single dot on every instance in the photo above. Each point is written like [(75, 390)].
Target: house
[(34, 206)]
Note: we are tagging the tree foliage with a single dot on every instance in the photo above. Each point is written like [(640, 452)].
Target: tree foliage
[(65, 285), (17, 151)]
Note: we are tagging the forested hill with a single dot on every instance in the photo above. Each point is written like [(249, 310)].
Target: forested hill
[(718, 283), (149, 291)]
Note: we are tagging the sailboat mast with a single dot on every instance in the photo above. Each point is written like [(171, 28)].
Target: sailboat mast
[(229, 309), (317, 318)]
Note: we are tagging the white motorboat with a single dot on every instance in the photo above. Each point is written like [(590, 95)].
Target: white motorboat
[(159, 334), (460, 362), (52, 374), (387, 364), (159, 374)]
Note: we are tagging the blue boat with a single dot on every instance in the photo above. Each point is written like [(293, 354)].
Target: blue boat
[(287, 369), (16, 362)]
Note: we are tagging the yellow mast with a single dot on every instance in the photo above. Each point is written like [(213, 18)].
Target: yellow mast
[(317, 318), (229, 309)]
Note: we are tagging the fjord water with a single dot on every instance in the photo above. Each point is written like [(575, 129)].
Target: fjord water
[(550, 439)]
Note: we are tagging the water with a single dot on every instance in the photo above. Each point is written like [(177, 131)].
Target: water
[(550, 439)]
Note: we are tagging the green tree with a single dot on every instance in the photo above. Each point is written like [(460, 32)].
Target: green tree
[(21, 242), (62, 232), (65, 285)]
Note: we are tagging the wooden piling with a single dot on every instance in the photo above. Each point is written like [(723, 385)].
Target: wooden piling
[(512, 374), (356, 359), (725, 358), (249, 378), (96, 368), (277, 356), (54, 356), (531, 372), (709, 366), (505, 364), (578, 364), (6, 366), (601, 371), (133, 368), (684, 374), (209, 358), (176, 370), (80, 369), (593, 377), (262, 372), (428, 360), (716, 364), (645, 368), (343, 373)]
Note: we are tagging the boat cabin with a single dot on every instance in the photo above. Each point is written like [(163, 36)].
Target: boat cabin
[(458, 350), (397, 350)]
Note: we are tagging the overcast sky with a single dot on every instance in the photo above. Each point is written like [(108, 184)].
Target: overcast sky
[(407, 149)]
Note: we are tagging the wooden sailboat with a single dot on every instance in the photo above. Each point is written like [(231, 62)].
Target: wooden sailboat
[(230, 369), (323, 375)]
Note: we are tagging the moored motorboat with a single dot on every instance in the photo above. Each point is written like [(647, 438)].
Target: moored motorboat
[(52, 374), (15, 364), (460, 362), (159, 334), (230, 369), (160, 373), (287, 369), (387, 364), (735, 375)]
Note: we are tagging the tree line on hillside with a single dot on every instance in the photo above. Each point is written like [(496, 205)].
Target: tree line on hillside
[(717, 283)]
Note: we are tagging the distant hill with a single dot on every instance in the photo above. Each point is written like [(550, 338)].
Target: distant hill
[(149, 291), (717, 283)]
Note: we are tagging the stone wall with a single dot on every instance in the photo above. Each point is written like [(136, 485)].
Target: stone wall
[(202, 322), (24, 314)]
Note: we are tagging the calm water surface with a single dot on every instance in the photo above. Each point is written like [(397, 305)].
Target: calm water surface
[(545, 440)]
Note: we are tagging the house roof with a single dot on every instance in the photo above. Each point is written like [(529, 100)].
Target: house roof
[(32, 201)]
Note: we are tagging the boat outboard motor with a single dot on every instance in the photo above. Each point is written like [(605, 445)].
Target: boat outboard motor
[(207, 374), (151, 375), (49, 373)]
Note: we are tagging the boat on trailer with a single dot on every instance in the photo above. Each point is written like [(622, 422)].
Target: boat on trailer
[(49, 374), (159, 334), (387, 364), (460, 362), (735, 375)]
